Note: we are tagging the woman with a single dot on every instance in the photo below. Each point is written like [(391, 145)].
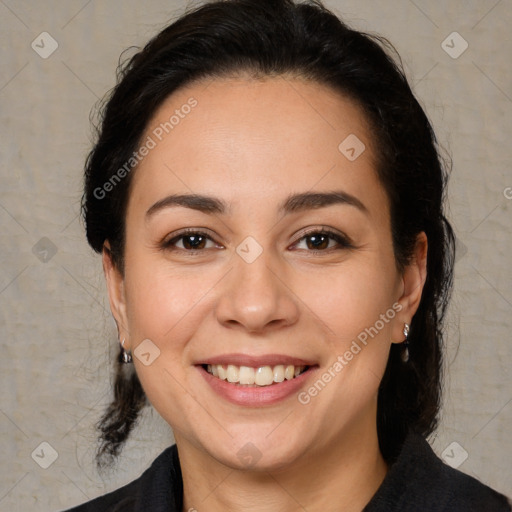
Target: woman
[(267, 196)]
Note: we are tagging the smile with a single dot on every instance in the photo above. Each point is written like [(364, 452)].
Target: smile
[(256, 380), (260, 376)]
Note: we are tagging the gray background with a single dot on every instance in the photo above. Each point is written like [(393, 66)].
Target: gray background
[(57, 337)]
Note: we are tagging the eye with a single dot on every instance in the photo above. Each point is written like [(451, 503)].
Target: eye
[(190, 240), (321, 240), (318, 240)]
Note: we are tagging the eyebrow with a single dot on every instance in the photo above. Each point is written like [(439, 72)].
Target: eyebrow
[(313, 200), (205, 204), (292, 204)]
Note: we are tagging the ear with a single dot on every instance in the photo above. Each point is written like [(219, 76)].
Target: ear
[(116, 294), (413, 280)]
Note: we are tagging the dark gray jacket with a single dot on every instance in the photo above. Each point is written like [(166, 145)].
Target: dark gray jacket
[(417, 482)]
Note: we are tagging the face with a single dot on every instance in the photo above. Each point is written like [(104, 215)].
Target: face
[(261, 315)]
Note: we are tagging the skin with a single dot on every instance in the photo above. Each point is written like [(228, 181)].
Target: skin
[(252, 143)]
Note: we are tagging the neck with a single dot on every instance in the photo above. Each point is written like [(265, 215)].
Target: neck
[(348, 473)]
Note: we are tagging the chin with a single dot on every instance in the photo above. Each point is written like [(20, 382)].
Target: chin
[(259, 452)]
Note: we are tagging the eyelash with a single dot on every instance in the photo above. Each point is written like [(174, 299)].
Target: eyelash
[(342, 241)]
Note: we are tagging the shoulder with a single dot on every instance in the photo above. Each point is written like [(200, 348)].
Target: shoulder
[(158, 488), (421, 482)]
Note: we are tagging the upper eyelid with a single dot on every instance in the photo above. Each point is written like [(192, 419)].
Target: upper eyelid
[(189, 231), (309, 231), (322, 229), (333, 234)]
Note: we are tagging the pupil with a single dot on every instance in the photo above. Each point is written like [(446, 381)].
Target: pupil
[(319, 241), (193, 241)]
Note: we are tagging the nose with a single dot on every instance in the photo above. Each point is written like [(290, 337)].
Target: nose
[(256, 298)]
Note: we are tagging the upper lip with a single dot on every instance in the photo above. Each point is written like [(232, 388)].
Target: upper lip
[(255, 361)]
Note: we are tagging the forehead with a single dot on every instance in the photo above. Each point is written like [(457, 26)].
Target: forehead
[(246, 138)]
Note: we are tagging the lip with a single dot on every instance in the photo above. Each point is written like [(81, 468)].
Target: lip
[(256, 396), (255, 361)]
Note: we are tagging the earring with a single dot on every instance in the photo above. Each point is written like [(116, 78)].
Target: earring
[(125, 356), (405, 353)]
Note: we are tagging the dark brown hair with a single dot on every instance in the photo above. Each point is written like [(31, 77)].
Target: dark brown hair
[(269, 38)]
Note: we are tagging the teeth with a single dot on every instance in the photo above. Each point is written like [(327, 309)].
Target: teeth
[(232, 373), (222, 372), (246, 375), (279, 373), (262, 376)]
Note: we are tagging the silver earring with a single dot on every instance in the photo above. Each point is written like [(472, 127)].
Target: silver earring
[(126, 356), (405, 353)]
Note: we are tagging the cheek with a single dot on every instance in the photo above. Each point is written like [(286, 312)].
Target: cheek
[(350, 300), (168, 306), (160, 298)]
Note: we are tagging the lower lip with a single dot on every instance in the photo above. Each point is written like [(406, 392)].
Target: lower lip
[(256, 396)]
